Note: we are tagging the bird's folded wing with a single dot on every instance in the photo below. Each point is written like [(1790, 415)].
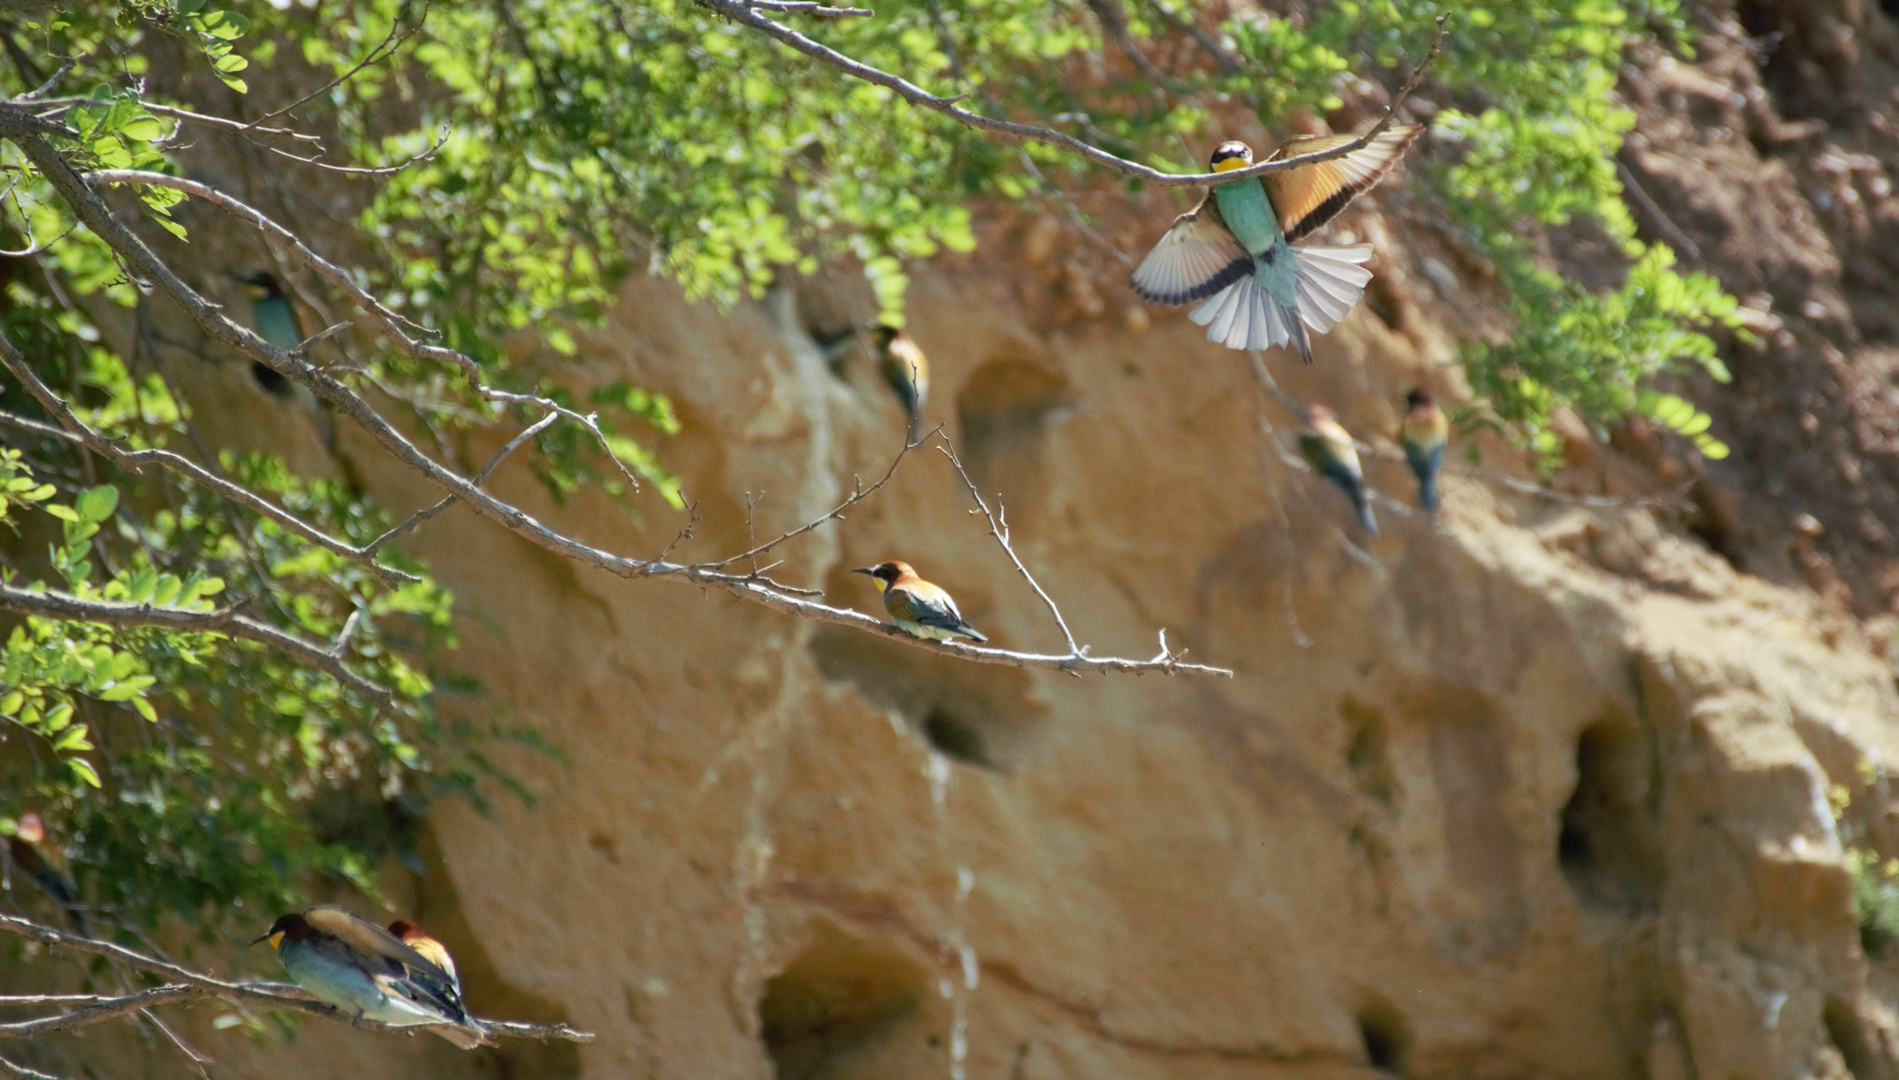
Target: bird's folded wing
[(1311, 195), (911, 605), (372, 939), (1197, 258)]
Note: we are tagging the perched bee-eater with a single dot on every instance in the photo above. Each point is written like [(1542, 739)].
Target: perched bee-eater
[(416, 938), (899, 360), (907, 370), (356, 966), (916, 606), (1424, 436), (40, 859), (276, 322), (1328, 447), (1234, 251)]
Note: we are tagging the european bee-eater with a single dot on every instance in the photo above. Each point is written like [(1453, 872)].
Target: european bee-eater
[(1327, 446), (416, 938), (916, 606), (1234, 251), (1424, 435), (276, 322), (356, 966), (40, 859), (899, 360)]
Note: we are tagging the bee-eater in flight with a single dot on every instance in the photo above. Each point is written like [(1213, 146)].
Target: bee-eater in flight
[(918, 607), (1234, 251)]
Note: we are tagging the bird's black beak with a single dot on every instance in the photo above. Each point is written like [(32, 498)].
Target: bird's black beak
[(259, 941), (871, 570)]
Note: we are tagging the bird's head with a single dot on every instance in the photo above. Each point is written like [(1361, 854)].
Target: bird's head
[(887, 573), (1231, 155), (1418, 398), (404, 930), (259, 285), (291, 927), (1320, 414), (30, 829), (884, 333)]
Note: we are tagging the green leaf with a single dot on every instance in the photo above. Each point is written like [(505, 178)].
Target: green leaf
[(84, 771), (97, 504)]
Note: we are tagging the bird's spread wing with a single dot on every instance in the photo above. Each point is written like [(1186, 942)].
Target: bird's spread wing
[(369, 938), (1311, 195), (1197, 258)]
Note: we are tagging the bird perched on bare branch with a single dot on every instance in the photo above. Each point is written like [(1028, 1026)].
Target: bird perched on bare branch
[(918, 607), (359, 968), (1234, 251), (275, 321), (903, 365), (1327, 446), (1424, 435), (40, 859)]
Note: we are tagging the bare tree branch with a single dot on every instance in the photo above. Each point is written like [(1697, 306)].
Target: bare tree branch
[(858, 494), (226, 621), (999, 528), (481, 477), (15, 1069), (740, 12), (102, 1010), (140, 258), (78, 431), (190, 984), (810, 7)]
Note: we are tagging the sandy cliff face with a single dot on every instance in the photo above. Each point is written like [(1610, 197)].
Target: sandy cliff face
[(1537, 788)]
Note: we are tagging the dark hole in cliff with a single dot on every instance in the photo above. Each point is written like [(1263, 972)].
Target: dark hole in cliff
[(956, 738), (1366, 755), (974, 714), (834, 1008), (1607, 846), (1387, 1042), (1003, 413), (1849, 1037)]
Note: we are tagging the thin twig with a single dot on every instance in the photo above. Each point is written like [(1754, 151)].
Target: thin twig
[(14, 1068), (384, 170), (189, 117), (480, 478), (78, 431), (101, 1010), (738, 11), (376, 55), (60, 73), (810, 7), (999, 528), (858, 494)]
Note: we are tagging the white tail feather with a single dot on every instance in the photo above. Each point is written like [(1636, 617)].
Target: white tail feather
[(1330, 282)]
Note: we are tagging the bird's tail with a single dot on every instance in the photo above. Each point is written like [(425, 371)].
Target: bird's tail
[(1245, 316), (1361, 501), (1426, 465), (1328, 282)]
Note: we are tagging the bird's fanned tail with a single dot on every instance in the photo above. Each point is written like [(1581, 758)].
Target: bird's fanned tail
[(1329, 282)]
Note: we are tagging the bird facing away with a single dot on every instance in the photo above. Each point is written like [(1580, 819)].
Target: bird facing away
[(916, 606), (418, 939), (1424, 435), (900, 361), (1327, 446), (1234, 251), (357, 967), (906, 370), (40, 859), (276, 322)]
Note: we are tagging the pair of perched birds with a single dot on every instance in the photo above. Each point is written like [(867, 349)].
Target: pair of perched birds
[(400, 976), (1328, 448)]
